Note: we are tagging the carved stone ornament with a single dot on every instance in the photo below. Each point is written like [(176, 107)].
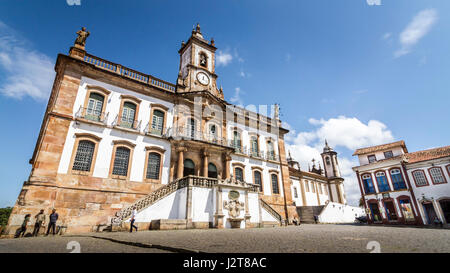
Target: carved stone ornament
[(234, 208)]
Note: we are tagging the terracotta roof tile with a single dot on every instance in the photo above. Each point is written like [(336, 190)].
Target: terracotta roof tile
[(428, 154), (381, 147)]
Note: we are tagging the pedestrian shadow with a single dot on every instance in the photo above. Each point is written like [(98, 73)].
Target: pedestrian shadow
[(142, 245)]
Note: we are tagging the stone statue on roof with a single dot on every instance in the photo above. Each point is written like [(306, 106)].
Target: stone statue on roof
[(82, 36)]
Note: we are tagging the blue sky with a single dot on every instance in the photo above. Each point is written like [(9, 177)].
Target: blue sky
[(354, 73)]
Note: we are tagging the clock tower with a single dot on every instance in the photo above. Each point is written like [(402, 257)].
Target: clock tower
[(197, 65)]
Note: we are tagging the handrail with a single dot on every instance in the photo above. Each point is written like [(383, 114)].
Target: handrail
[(270, 210), (129, 73), (92, 115)]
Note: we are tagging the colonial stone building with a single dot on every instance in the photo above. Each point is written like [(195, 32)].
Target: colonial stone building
[(114, 139), (401, 187)]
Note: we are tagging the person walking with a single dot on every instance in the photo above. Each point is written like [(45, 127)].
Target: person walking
[(133, 218), (52, 223), (23, 228), (40, 219)]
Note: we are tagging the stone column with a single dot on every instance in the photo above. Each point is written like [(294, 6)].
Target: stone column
[(189, 205), (227, 167), (219, 212), (302, 187), (205, 163), (247, 214), (317, 184), (180, 166)]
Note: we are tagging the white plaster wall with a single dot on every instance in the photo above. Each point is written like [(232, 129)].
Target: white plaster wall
[(267, 166), (299, 199), (253, 207), (266, 216), (338, 213), (172, 206), (203, 205), (108, 135)]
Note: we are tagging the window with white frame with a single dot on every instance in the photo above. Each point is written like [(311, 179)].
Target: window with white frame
[(420, 178), (437, 175), (157, 122)]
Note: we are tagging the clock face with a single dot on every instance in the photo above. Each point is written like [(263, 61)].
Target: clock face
[(203, 78)]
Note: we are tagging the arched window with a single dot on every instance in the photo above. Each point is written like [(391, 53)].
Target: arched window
[(397, 179), (258, 180), (275, 189), (327, 160), (128, 115), (239, 174), (203, 60), (213, 133), (420, 178), (254, 146), (157, 122), (437, 176), (212, 171), (84, 156), (95, 106), (368, 183), (236, 141), (189, 167), (382, 182), (121, 161), (153, 165)]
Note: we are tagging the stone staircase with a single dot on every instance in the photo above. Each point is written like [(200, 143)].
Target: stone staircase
[(153, 197), (307, 213), (272, 212)]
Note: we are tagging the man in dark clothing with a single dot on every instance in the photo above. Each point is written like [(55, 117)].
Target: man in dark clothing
[(23, 228), (40, 219), (52, 223)]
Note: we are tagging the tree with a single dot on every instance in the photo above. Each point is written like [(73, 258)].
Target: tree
[(361, 202), (4, 215)]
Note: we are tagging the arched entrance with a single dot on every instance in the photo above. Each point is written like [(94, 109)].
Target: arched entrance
[(189, 167), (212, 171), (445, 206)]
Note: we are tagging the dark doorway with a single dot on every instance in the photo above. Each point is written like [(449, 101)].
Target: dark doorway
[(375, 212), (430, 214), (189, 167), (212, 171), (390, 211), (445, 206)]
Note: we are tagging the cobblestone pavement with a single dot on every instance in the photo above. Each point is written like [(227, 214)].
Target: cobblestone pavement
[(292, 239)]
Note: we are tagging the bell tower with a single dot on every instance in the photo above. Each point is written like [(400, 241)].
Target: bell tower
[(197, 65), (330, 162)]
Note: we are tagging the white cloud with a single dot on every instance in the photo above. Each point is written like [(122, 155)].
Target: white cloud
[(373, 2), (223, 58), (26, 71), (236, 99), (387, 35), (416, 30), (340, 132)]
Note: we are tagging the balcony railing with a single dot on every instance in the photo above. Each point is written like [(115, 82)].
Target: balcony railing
[(129, 73), (127, 123), (92, 115), (190, 134), (151, 131)]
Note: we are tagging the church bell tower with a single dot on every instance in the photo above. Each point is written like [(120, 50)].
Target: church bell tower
[(330, 162), (197, 65)]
